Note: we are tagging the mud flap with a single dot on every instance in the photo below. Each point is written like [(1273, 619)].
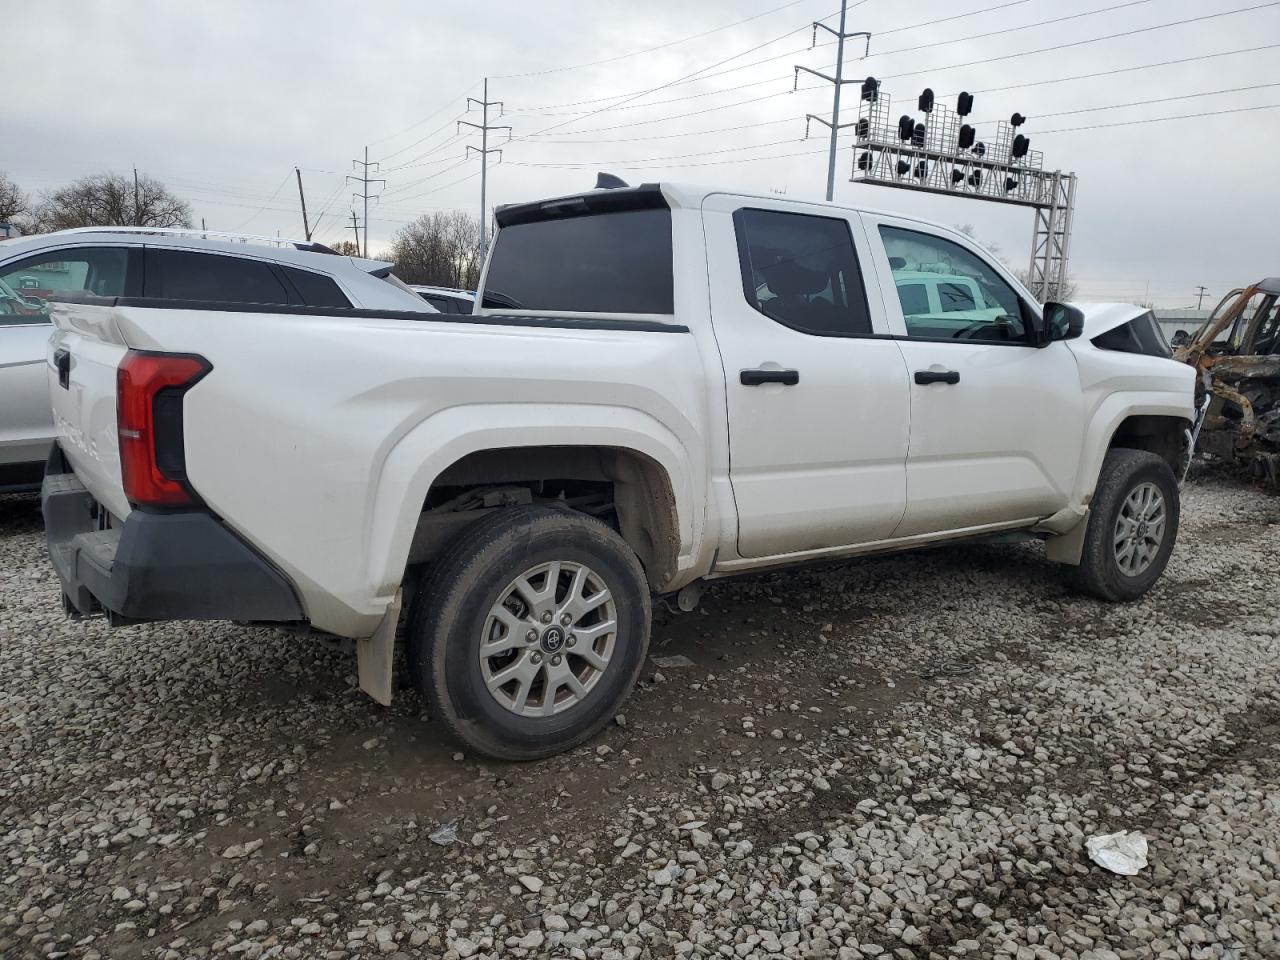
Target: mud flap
[(1068, 547), (375, 656)]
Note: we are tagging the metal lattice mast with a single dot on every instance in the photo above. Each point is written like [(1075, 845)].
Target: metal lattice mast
[(837, 81), (1051, 239), (484, 150), (364, 180)]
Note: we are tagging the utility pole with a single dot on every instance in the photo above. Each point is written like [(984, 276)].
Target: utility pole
[(306, 228), (364, 180), (484, 150), (838, 81), (137, 203), (1200, 296), (356, 227)]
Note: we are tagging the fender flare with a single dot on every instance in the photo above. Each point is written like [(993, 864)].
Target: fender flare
[(1107, 418), (425, 451)]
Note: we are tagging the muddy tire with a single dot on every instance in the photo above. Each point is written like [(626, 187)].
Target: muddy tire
[(530, 632), (1133, 523)]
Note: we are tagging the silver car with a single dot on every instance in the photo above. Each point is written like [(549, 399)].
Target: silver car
[(144, 263)]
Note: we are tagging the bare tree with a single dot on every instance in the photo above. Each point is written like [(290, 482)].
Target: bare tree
[(442, 249), (111, 200), (346, 248), (13, 202)]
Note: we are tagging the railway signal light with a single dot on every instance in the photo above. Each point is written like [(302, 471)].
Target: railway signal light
[(922, 170), (925, 103), (864, 161), (980, 149), (862, 129), (1010, 184), (870, 89), (1017, 120), (917, 135), (967, 135), (906, 127), (964, 104), (903, 168), (1020, 147)]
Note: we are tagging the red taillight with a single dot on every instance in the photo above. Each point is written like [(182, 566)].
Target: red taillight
[(149, 389)]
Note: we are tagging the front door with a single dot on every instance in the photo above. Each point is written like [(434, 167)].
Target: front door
[(818, 401), (996, 424)]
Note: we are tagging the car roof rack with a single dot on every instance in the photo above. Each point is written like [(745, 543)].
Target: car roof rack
[(227, 237)]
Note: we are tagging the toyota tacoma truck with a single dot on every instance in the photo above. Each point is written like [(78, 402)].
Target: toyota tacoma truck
[(659, 385)]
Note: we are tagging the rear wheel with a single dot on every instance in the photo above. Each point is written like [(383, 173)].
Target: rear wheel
[(530, 632), (1133, 523)]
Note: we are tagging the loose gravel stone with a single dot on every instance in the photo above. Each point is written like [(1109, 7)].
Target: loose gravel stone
[(897, 758)]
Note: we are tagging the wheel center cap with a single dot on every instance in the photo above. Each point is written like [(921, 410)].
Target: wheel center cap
[(552, 639), (1142, 529)]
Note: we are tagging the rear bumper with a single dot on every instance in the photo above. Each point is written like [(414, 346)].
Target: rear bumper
[(156, 566)]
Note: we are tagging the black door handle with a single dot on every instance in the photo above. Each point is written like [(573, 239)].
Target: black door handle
[(753, 378), (937, 376), (62, 360)]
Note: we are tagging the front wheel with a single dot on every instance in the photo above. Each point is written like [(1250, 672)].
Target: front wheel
[(1133, 523), (530, 633)]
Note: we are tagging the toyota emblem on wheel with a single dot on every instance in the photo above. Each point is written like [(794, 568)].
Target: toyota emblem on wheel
[(552, 640)]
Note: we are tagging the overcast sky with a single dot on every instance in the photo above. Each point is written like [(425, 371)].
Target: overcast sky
[(221, 100)]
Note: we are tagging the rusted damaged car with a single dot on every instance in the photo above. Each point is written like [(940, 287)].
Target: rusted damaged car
[(1237, 352)]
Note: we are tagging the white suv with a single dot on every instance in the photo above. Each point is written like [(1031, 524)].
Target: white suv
[(659, 385), (143, 264)]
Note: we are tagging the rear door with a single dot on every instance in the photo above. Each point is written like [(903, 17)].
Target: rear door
[(996, 424), (82, 355), (817, 393)]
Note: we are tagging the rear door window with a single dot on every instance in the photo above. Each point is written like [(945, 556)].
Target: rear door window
[(28, 286), (615, 262), (802, 271), (184, 275)]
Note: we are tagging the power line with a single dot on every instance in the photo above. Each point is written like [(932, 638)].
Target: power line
[(660, 46), (1144, 103), (254, 216), (663, 86), (426, 119), (1081, 43), (1180, 116)]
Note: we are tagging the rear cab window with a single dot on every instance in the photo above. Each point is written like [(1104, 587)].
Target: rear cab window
[(609, 254)]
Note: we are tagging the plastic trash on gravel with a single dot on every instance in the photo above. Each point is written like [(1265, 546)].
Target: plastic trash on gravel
[(444, 835), (1124, 853)]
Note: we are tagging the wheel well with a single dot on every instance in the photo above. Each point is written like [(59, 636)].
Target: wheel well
[(1163, 436), (626, 489)]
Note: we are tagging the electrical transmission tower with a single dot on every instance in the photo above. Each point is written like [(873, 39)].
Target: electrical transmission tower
[(364, 182), (484, 150), (838, 81)]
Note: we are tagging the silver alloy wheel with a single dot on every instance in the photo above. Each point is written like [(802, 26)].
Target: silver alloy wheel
[(1139, 529), (548, 638)]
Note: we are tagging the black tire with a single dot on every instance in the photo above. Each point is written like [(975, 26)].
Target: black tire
[(457, 595), (1100, 573)]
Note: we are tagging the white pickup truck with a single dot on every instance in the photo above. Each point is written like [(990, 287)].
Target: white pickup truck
[(659, 385)]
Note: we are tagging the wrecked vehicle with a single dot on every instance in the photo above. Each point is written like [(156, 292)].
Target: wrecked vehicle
[(1237, 354)]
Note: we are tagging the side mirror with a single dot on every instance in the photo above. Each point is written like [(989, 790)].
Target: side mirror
[(1060, 321)]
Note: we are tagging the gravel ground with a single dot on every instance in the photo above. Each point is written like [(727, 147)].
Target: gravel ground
[(896, 758)]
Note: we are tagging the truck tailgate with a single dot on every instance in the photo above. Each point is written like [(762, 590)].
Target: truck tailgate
[(84, 353)]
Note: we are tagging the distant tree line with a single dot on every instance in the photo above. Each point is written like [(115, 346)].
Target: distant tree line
[(100, 200), (440, 249)]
